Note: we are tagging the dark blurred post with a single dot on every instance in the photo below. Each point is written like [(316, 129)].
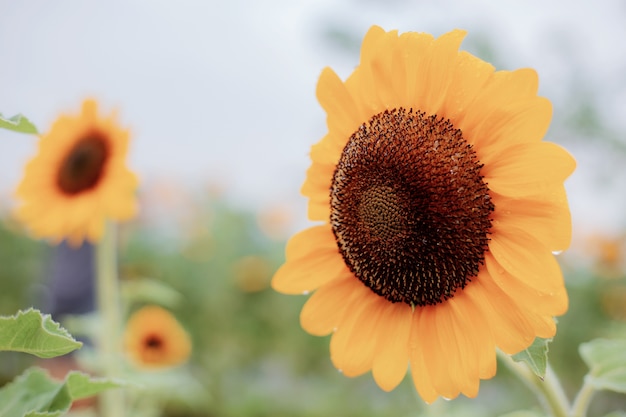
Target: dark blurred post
[(71, 280)]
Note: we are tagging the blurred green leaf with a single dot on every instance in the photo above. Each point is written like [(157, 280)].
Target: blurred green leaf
[(607, 363), (535, 356), (81, 385), (31, 332), (35, 394), (524, 413), (616, 414), (146, 290), (17, 123)]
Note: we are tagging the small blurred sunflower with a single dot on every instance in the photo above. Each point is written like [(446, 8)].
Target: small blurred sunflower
[(155, 339), (78, 179), (441, 208)]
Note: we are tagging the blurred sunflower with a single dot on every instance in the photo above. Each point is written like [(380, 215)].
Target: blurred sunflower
[(441, 208), (154, 339), (78, 179)]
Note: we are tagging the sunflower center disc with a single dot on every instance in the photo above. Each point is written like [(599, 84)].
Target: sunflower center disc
[(154, 342), (409, 208), (82, 167)]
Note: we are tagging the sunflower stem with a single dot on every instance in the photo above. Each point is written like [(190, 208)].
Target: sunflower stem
[(108, 301), (549, 389), (582, 400)]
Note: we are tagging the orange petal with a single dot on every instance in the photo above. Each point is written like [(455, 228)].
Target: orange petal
[(520, 122), (323, 311), (317, 187), (362, 83), (312, 260), (377, 70), (467, 81), (435, 333), (548, 303), (392, 348), (318, 210), (308, 240), (510, 330), (528, 169), (419, 356), (354, 341), (413, 52), (513, 328), (504, 88), (328, 150), (546, 217), (343, 116), (526, 258), (472, 320), (458, 349), (438, 72)]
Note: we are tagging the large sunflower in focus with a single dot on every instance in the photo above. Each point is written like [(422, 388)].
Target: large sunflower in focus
[(78, 179), (441, 208)]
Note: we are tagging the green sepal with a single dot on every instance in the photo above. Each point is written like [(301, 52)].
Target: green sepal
[(535, 356)]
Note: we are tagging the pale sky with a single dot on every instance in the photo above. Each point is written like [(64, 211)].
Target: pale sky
[(225, 91)]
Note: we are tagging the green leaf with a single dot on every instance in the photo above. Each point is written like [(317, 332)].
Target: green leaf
[(81, 385), (607, 363), (616, 414), (524, 413), (31, 332), (35, 394), (17, 123), (535, 356)]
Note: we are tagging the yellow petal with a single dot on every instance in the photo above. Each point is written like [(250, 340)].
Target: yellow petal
[(343, 116), (377, 70), (354, 341), (528, 169), (392, 347), (312, 260), (318, 210), (468, 80), (412, 53), (459, 348), (323, 311), (546, 216), (327, 151), (372, 95), (434, 331), (471, 321), (504, 88), (526, 258), (317, 187), (419, 355), (548, 303), (521, 122), (439, 69), (513, 327)]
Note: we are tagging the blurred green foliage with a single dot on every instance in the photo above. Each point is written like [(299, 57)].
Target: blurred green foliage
[(251, 358)]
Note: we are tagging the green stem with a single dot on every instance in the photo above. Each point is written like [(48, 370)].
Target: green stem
[(108, 302), (582, 400), (549, 390)]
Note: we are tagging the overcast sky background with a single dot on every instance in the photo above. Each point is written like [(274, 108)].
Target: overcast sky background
[(224, 92)]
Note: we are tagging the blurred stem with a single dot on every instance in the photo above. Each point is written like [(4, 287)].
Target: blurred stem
[(549, 390), (582, 400), (108, 301)]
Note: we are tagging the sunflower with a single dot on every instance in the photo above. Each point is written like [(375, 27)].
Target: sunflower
[(441, 208), (154, 339), (78, 179)]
